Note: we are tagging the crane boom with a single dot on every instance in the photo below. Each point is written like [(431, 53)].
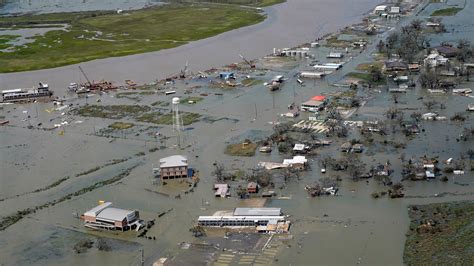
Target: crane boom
[(247, 61), (84, 73)]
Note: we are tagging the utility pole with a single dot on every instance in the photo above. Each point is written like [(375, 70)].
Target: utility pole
[(142, 257), (256, 111)]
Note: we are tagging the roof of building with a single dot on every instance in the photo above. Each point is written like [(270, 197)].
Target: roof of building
[(114, 214), (380, 8), (174, 161), (313, 103), (395, 9), (295, 160), (97, 209), (318, 98), (395, 64), (447, 50), (107, 212), (257, 211), (252, 185), (298, 147), (241, 218)]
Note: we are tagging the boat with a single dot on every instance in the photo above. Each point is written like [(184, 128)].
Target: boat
[(18, 95)]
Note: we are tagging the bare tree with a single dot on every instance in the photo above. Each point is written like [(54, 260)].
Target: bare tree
[(430, 105)]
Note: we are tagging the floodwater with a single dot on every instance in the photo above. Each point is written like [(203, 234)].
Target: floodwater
[(348, 229), (288, 24), (8, 7)]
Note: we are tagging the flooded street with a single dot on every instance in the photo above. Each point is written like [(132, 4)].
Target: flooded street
[(347, 229)]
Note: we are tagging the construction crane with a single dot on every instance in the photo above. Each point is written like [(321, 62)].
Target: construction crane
[(183, 71), (247, 61), (84, 73)]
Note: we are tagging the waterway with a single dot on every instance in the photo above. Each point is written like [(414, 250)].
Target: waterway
[(288, 24)]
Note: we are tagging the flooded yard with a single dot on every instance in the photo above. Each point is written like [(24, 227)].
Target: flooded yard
[(104, 136)]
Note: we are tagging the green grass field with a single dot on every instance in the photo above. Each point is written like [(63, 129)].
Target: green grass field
[(450, 11), (440, 234), (94, 35)]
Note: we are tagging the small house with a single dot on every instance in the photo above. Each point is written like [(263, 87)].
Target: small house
[(252, 187), (226, 75), (395, 66), (221, 190), (346, 147), (357, 148), (380, 9), (394, 10), (414, 67), (435, 59), (312, 105), (335, 55), (298, 162), (447, 51)]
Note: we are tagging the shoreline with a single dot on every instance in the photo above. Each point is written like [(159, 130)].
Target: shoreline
[(169, 61)]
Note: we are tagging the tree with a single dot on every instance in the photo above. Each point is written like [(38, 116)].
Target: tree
[(355, 167), (465, 50), (381, 46), (416, 24), (395, 98), (393, 113), (430, 104), (429, 79), (197, 231), (219, 171), (416, 116)]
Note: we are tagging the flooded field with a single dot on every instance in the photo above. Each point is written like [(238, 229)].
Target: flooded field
[(62, 149)]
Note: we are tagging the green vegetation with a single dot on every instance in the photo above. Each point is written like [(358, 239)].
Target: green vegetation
[(450, 11), (112, 111), (160, 103), (367, 78), (440, 234), (133, 95), (368, 66), (94, 35), (140, 113), (121, 125), (191, 100), (333, 41), (5, 39), (241, 149)]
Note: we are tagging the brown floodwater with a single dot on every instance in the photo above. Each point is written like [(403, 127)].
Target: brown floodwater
[(349, 229)]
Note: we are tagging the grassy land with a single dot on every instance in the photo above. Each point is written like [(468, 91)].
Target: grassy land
[(5, 39), (138, 31), (193, 99), (121, 125), (440, 234), (450, 11), (366, 77), (240, 149), (112, 111), (140, 113)]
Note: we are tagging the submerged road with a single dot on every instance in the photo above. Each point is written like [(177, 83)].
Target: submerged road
[(287, 25)]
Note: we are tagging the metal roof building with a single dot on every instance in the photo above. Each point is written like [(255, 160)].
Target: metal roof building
[(174, 161), (104, 216), (257, 211)]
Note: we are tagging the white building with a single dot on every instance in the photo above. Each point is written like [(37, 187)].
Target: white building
[(435, 59)]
